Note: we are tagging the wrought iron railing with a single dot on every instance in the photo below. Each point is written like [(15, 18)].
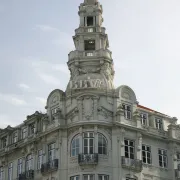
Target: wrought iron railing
[(26, 175), (88, 158), (49, 166)]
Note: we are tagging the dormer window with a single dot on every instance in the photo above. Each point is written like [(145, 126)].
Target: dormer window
[(127, 111), (15, 137), (4, 142), (89, 45), (24, 133), (90, 20), (143, 119), (159, 123)]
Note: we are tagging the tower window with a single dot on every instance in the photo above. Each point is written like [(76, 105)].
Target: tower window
[(90, 21), (89, 45)]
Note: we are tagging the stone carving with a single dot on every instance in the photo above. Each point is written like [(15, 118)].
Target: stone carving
[(105, 112), (88, 70), (88, 107), (177, 133), (72, 113), (54, 100), (107, 70), (89, 83), (74, 71)]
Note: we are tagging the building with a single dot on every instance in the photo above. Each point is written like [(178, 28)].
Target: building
[(92, 131)]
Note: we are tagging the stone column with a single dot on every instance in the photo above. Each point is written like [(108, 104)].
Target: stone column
[(80, 109), (139, 146), (95, 139), (95, 108), (80, 140)]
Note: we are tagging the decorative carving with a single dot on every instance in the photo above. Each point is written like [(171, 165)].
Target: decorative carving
[(107, 70), (74, 71), (105, 112), (72, 113), (88, 70), (88, 107), (178, 133), (110, 100)]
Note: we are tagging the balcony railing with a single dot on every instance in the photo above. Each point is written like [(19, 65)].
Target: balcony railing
[(90, 30), (133, 164), (26, 175), (177, 174), (87, 159), (90, 54), (49, 166)]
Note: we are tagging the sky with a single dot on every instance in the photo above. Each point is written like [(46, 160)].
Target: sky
[(36, 37)]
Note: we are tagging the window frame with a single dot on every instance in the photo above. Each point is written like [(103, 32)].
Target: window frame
[(144, 121), (53, 152), (10, 171), (163, 155), (106, 144), (15, 137), (77, 177), (4, 142), (1, 173), (19, 166), (76, 148), (24, 132), (146, 154), (32, 129), (103, 177), (88, 138), (39, 159), (127, 111), (159, 123), (87, 46), (29, 162), (89, 176), (129, 148)]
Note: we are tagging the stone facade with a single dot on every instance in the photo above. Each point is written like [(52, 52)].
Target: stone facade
[(92, 131)]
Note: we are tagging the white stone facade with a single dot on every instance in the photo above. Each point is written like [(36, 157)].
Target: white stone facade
[(92, 131)]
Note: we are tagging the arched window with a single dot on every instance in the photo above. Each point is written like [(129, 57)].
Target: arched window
[(75, 146), (29, 162), (102, 144)]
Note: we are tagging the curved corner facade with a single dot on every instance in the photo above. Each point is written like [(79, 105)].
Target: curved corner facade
[(92, 131)]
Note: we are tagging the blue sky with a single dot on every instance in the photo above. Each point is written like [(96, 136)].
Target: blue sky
[(36, 37)]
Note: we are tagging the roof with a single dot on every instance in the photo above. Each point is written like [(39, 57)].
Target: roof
[(148, 109)]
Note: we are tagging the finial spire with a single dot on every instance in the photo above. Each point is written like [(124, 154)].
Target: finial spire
[(90, 2)]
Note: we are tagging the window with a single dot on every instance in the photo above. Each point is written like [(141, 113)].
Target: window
[(90, 30), (29, 162), (1, 173), (31, 129), (159, 123), (162, 158), (40, 159), (74, 178), (89, 54), (102, 144), (24, 133), (51, 152), (143, 119), (54, 111), (88, 142), (90, 20), (75, 146), (129, 149), (10, 171), (88, 177), (103, 177), (127, 111), (146, 154), (89, 45), (4, 142), (19, 167), (15, 137)]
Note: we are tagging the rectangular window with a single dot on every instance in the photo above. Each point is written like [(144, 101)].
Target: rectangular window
[(129, 148), (29, 162), (40, 159), (103, 177), (54, 111), (146, 154), (143, 119), (89, 45), (19, 166), (74, 178), (15, 137), (162, 158), (90, 20), (159, 123), (127, 111), (4, 142), (1, 173), (88, 142), (51, 152), (88, 177), (31, 129), (10, 171), (24, 132)]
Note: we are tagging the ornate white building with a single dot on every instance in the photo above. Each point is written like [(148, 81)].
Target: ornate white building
[(92, 131)]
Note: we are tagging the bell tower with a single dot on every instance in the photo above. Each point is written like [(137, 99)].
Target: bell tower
[(91, 63)]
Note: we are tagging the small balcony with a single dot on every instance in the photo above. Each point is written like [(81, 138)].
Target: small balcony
[(49, 166), (177, 174), (28, 175), (133, 164), (86, 159)]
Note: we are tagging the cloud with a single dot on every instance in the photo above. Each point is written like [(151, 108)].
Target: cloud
[(41, 100), (24, 86), (47, 28), (49, 79), (12, 99)]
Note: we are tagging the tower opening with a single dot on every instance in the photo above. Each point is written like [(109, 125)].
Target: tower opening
[(89, 45), (90, 21)]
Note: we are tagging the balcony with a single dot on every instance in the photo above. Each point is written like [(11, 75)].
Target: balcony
[(133, 164), (86, 159), (177, 174), (90, 54), (90, 30), (49, 166), (26, 175)]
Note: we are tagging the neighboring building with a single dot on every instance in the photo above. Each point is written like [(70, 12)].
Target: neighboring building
[(92, 131)]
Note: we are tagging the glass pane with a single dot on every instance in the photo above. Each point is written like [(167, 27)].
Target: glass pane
[(85, 142), (85, 150), (91, 150), (91, 142), (99, 150)]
